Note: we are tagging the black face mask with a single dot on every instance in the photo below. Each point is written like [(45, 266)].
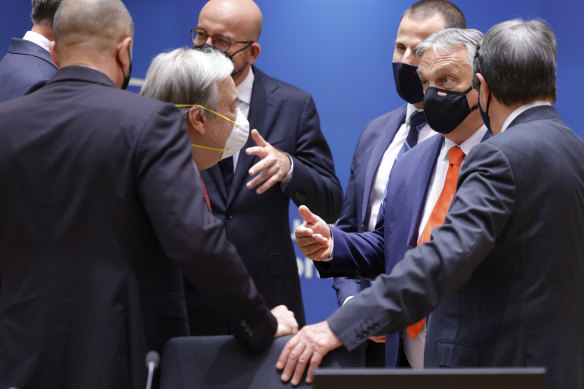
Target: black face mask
[(485, 114), (407, 82), (127, 77), (446, 109)]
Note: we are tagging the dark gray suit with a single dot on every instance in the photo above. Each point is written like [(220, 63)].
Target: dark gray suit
[(504, 273), (100, 209)]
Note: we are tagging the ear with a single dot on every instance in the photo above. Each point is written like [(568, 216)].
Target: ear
[(254, 52), (53, 53), (125, 53), (483, 89), (197, 120)]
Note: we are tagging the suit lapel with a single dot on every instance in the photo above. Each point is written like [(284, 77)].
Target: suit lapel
[(377, 154), (419, 190), (264, 107)]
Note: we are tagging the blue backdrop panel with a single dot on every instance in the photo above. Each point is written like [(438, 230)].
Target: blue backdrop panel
[(340, 51)]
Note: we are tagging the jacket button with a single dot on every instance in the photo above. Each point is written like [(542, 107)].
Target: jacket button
[(229, 217)]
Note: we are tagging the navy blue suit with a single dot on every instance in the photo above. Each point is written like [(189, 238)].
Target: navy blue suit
[(101, 208), (502, 275), (373, 142), (258, 225), (25, 68)]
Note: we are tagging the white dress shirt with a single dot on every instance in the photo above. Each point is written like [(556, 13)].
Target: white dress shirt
[(414, 348), (37, 38)]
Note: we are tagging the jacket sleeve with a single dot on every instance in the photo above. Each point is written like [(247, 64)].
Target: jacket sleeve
[(313, 181), (433, 271)]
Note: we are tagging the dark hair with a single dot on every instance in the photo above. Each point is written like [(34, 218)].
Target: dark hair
[(517, 58), (452, 15), (43, 11)]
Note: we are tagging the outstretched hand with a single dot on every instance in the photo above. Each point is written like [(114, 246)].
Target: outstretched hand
[(273, 167), (307, 348), (313, 236), (287, 324)]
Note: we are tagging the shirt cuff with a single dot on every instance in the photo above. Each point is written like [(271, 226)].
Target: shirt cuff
[(286, 180)]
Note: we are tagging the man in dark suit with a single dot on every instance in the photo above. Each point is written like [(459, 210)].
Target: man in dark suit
[(287, 158), (502, 274), (28, 65), (382, 140), (100, 210)]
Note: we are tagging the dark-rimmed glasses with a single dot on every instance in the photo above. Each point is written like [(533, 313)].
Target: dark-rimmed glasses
[(199, 36)]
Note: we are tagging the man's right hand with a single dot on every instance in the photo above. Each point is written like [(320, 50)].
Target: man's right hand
[(287, 324), (313, 236)]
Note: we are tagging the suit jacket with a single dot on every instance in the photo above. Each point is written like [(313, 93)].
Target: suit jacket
[(101, 207), (258, 225), (502, 273), (373, 142), (25, 68)]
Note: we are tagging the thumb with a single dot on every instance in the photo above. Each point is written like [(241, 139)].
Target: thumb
[(258, 139), (307, 215)]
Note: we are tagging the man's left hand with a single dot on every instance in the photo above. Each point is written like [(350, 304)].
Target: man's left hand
[(273, 166), (310, 344)]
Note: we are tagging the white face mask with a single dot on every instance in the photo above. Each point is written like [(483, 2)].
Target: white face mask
[(238, 136), (236, 139)]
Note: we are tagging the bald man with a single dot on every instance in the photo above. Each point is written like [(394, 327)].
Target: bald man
[(105, 209), (286, 158)]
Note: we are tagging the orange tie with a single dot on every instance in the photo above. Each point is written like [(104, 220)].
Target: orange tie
[(455, 157), (205, 194)]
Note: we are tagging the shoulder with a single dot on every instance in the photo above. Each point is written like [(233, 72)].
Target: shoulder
[(275, 85), (384, 125)]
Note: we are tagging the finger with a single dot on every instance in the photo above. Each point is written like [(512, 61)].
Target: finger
[(261, 177), (313, 250), (261, 152), (273, 180), (314, 364), (286, 352), (307, 239), (303, 232), (261, 166), (258, 139), (301, 365), (307, 215), (292, 361)]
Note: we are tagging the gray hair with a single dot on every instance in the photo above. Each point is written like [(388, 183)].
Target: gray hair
[(517, 58), (187, 76), (443, 40), (424, 9), (43, 11)]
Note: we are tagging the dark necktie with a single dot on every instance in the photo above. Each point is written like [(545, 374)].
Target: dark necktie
[(417, 121), (226, 166)]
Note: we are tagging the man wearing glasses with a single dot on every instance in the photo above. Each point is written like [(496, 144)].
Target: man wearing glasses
[(287, 158)]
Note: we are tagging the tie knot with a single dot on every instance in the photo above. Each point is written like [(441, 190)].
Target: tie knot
[(455, 155), (417, 119)]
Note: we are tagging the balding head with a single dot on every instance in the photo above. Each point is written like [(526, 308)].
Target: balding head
[(91, 27), (242, 17)]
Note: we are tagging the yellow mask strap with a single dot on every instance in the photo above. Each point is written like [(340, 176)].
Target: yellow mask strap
[(207, 109), (208, 147)]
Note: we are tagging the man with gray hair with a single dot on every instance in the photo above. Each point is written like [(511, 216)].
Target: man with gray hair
[(423, 180), (199, 82), (28, 65), (501, 276), (102, 212)]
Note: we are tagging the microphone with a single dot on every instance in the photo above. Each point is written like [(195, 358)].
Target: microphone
[(152, 361)]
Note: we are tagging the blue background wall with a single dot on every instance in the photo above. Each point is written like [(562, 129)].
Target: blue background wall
[(340, 51)]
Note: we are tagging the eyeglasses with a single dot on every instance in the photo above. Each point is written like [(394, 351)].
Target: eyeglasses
[(199, 36)]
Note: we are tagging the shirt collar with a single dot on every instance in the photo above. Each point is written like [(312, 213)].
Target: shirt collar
[(410, 109), (244, 89), (471, 142), (520, 110), (37, 38)]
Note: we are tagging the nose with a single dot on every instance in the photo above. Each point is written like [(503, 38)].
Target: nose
[(209, 41), (410, 57)]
